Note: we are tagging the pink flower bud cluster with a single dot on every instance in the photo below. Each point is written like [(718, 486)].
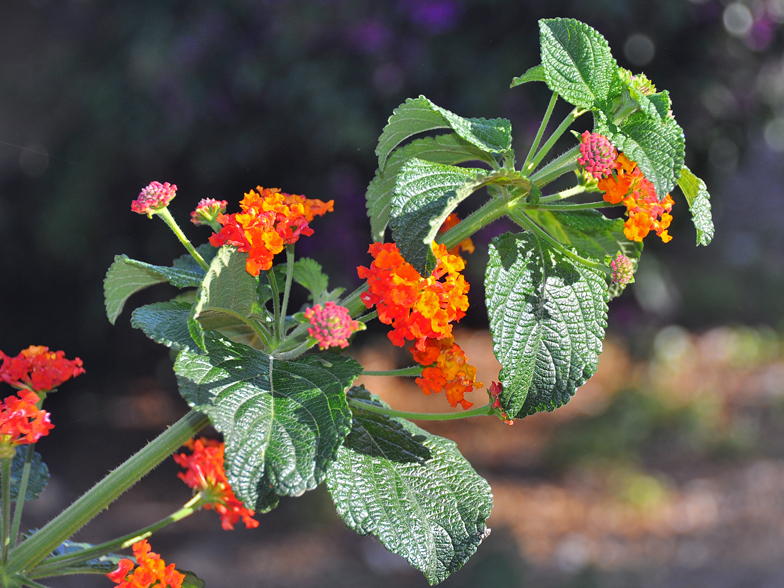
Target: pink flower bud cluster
[(331, 325), (207, 211), (597, 155), (622, 269), (154, 197)]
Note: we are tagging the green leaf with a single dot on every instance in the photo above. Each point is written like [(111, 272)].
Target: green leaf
[(166, 323), (186, 262), (191, 580), (448, 149), (577, 62), (283, 421), (225, 298), (661, 101), (547, 317), (414, 491), (101, 564), (127, 276), (417, 115), (425, 194), (39, 474), (591, 233), (533, 74), (696, 193), (657, 146), (307, 273)]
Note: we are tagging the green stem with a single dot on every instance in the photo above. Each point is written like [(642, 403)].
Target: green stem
[(563, 195), (20, 498), (584, 206), (275, 301), (5, 465), (565, 124), (169, 220), (52, 565), (353, 302), (541, 130), (485, 410), (492, 209), (523, 219), (33, 584), (297, 351), (414, 370), (562, 164), (287, 289), (28, 553), (366, 318)]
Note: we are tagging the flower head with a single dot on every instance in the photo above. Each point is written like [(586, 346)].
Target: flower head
[(597, 155), (466, 245), (270, 220), (448, 370), (21, 421), (622, 269), (151, 570), (331, 325), (207, 211), (38, 369), (205, 473), (495, 392), (154, 197), (418, 308)]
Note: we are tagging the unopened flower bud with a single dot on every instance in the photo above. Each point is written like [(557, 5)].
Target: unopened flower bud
[(153, 198)]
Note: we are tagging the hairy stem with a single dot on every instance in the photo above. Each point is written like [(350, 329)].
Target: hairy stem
[(5, 465), (565, 124), (20, 498), (287, 288), (28, 553), (415, 370), (169, 220), (563, 195), (541, 130), (559, 166), (275, 302), (584, 206), (485, 410)]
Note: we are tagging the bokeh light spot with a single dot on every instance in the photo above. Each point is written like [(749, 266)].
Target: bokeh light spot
[(774, 134), (639, 49), (737, 19)]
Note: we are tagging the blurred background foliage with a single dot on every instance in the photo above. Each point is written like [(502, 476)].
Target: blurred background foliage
[(98, 99)]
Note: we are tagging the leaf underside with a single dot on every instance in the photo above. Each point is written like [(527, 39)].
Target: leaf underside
[(696, 193)]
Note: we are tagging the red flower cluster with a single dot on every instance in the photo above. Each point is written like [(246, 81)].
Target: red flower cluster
[(495, 391), (417, 308), (466, 245), (331, 325), (270, 220), (644, 211), (21, 421), (151, 571), (38, 369), (154, 197), (448, 370), (205, 473)]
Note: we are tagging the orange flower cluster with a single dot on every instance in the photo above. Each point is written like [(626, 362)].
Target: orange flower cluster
[(644, 211), (449, 370), (495, 391), (152, 570), (417, 308), (466, 245), (38, 369), (21, 421), (270, 220), (205, 473)]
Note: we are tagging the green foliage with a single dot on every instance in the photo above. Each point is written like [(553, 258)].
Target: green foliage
[(696, 193), (191, 580), (101, 564), (166, 323), (39, 474), (414, 491), (417, 115), (307, 273), (448, 149), (283, 421), (533, 74), (577, 62), (547, 317)]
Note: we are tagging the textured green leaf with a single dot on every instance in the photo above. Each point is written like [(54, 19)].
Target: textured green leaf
[(577, 62), (592, 234), (166, 323), (191, 580), (39, 474), (697, 196), (533, 74), (448, 149), (307, 273), (101, 564), (127, 276), (425, 194), (283, 421), (417, 115), (657, 146), (547, 317), (661, 101), (414, 491), (186, 262)]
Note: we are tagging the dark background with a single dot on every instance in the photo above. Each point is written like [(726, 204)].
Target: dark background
[(98, 99)]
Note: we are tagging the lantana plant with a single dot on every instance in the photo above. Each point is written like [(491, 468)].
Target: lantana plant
[(275, 381)]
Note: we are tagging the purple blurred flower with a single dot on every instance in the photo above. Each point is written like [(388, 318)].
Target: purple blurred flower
[(436, 16)]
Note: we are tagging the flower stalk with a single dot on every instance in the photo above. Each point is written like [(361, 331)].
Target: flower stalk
[(169, 220), (20, 499), (485, 410)]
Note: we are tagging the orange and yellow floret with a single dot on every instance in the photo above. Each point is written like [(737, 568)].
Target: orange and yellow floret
[(205, 474), (151, 570), (37, 368), (422, 310), (21, 421), (270, 220), (645, 213)]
